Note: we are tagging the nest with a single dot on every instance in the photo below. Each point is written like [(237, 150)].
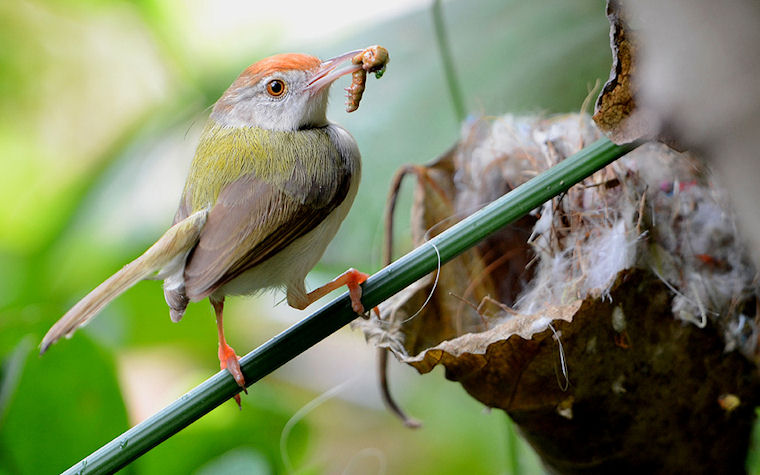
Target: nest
[(613, 324)]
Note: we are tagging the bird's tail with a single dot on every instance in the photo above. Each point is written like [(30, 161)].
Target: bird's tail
[(175, 242)]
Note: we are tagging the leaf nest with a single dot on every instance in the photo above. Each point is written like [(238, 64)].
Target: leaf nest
[(629, 298)]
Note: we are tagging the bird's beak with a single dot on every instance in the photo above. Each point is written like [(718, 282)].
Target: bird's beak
[(329, 71)]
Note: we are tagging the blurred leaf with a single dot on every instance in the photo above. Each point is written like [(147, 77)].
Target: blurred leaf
[(57, 415), (10, 375)]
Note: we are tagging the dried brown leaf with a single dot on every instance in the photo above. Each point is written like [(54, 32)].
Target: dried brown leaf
[(617, 112)]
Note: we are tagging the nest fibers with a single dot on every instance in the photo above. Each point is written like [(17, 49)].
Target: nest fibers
[(619, 301), (655, 210)]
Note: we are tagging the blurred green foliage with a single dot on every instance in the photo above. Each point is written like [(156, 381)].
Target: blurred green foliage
[(57, 404), (100, 106)]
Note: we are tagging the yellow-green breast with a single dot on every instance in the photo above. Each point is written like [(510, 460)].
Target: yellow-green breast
[(225, 154)]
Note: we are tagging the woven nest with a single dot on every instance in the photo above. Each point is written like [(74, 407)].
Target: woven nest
[(615, 324)]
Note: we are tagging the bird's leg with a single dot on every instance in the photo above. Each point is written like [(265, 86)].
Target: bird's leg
[(227, 358), (352, 279)]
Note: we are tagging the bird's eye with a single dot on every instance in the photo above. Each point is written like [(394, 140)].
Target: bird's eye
[(276, 87)]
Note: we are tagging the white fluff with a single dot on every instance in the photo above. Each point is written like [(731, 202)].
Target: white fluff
[(609, 254)]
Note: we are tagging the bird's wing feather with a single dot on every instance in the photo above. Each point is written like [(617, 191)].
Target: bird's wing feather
[(251, 221)]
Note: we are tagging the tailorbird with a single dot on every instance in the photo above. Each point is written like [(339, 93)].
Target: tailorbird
[(271, 181)]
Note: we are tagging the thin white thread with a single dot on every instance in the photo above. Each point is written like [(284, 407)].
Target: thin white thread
[(702, 322), (438, 254), (435, 284), (300, 414), (438, 266), (668, 284), (372, 452), (562, 362), (426, 237), (703, 316)]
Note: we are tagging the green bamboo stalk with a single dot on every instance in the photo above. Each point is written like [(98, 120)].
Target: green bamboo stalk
[(442, 40), (298, 338)]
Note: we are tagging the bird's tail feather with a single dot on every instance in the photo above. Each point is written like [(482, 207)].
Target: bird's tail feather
[(179, 239)]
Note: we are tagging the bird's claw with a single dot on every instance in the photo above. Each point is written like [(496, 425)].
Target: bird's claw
[(231, 362), (355, 279)]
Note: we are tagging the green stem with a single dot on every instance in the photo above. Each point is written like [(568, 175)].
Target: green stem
[(325, 321), (513, 450), (455, 92)]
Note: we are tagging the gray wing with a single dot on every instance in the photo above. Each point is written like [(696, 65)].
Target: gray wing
[(251, 221)]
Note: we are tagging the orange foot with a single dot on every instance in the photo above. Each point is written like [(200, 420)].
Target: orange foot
[(227, 358), (352, 279), (231, 362)]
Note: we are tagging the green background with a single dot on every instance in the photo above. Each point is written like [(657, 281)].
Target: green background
[(101, 104)]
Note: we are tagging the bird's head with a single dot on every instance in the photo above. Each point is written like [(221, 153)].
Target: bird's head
[(282, 92)]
